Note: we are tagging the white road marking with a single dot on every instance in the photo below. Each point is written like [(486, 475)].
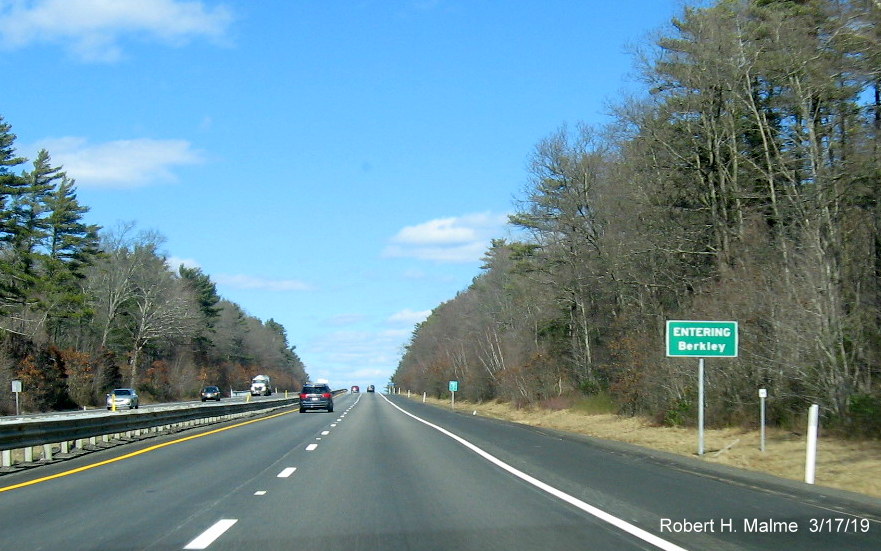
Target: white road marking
[(260, 493), (333, 424), (311, 447), (287, 472), (621, 524), (208, 536), (325, 433)]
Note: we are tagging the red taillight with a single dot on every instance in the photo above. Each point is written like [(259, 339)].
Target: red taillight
[(303, 395), (326, 395)]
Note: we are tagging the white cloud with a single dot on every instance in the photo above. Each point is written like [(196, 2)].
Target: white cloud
[(453, 239), (120, 163), (174, 263), (251, 282), (441, 231), (93, 29), (409, 317)]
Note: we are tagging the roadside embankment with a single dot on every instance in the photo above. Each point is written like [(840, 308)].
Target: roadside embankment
[(853, 465)]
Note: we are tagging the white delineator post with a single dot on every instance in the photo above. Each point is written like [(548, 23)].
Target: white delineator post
[(763, 393), (811, 458)]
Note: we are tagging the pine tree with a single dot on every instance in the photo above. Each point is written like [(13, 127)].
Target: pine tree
[(71, 246), (10, 183)]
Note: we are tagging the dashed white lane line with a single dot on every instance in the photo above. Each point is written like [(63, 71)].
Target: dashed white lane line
[(325, 433), (260, 493), (287, 472), (207, 537), (311, 447)]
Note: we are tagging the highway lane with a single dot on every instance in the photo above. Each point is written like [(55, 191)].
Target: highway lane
[(372, 477), (136, 502), (382, 481)]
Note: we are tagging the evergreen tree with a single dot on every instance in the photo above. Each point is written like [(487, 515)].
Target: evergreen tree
[(208, 301), (10, 183), (71, 246)]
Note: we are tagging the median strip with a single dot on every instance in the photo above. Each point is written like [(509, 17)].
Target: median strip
[(139, 452)]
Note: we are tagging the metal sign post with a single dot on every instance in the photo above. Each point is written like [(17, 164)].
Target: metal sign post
[(16, 388), (700, 406), (454, 386), (701, 339)]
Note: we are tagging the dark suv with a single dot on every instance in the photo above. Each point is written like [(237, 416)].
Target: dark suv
[(316, 396)]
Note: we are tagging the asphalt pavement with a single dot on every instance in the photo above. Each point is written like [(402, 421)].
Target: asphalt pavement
[(385, 472)]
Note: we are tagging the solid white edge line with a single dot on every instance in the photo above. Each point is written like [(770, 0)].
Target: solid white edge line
[(631, 529), (207, 537)]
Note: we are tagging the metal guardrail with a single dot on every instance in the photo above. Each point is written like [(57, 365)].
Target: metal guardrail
[(83, 431)]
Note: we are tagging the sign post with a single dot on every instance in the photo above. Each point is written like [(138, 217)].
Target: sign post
[(16, 388), (701, 339), (454, 387)]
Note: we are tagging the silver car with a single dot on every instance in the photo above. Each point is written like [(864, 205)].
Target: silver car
[(123, 398)]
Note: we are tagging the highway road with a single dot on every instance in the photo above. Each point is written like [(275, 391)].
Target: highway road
[(389, 473)]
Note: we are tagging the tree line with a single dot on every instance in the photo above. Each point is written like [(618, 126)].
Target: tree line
[(744, 184), (85, 309)]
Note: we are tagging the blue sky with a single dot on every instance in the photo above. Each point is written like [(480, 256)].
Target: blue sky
[(338, 166)]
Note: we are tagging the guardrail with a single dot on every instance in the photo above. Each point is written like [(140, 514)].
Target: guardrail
[(84, 432)]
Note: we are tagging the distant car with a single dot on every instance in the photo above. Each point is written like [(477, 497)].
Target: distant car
[(356, 388), (210, 393), (371, 389), (316, 396), (123, 398)]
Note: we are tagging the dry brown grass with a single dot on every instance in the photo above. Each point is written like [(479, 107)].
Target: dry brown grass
[(844, 464)]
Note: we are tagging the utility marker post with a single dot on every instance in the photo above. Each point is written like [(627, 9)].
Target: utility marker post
[(700, 339), (763, 393)]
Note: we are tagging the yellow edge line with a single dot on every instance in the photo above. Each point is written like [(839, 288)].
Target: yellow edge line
[(133, 454)]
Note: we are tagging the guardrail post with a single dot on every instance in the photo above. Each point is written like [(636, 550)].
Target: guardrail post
[(23, 440)]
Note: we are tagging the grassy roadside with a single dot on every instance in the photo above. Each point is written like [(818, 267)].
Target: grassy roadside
[(844, 464)]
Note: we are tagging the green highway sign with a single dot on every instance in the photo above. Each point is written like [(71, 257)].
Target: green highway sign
[(454, 386), (702, 339)]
